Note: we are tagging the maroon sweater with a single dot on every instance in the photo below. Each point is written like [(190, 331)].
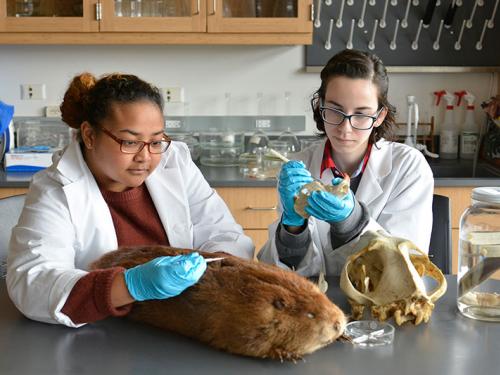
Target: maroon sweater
[(136, 222)]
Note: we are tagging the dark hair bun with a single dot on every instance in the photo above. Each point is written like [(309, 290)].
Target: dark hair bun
[(73, 107)]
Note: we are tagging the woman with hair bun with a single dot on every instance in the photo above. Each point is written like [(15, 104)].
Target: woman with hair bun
[(391, 184), (122, 182)]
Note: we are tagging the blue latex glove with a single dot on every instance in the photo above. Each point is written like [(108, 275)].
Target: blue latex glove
[(164, 277), (293, 176), (328, 207)]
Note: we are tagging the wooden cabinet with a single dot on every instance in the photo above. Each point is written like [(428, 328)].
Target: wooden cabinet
[(259, 16), (253, 208), (9, 192), (460, 200), (48, 16), (156, 22)]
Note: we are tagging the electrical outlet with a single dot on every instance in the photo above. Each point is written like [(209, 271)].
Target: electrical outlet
[(52, 111), (173, 94), (30, 91)]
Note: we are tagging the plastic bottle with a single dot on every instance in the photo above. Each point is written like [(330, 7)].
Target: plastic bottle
[(469, 136), (448, 144)]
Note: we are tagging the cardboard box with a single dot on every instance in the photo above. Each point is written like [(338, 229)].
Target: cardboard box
[(26, 161)]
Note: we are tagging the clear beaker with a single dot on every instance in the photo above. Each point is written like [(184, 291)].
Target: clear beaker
[(258, 139), (291, 139), (478, 276)]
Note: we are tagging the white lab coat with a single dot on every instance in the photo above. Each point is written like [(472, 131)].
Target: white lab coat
[(66, 224), (396, 187)]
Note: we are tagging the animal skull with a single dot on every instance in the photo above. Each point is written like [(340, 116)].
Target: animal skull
[(386, 274), (340, 190)]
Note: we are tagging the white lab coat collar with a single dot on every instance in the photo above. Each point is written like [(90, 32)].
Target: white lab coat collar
[(69, 163)]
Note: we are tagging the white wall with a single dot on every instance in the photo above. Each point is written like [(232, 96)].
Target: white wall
[(207, 73)]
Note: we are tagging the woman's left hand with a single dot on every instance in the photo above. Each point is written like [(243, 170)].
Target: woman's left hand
[(328, 207)]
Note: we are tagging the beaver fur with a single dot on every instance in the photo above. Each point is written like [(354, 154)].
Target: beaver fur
[(240, 306)]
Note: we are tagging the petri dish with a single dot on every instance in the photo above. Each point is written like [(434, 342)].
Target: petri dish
[(370, 333)]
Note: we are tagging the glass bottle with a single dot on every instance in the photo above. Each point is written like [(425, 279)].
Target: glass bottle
[(24, 8), (258, 139), (118, 8), (135, 8), (478, 276), (291, 139)]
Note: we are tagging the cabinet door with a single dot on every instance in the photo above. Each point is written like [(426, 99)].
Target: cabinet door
[(48, 16), (252, 208), (260, 16), (153, 15)]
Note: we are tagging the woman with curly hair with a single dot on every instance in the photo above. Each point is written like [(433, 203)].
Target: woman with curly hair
[(122, 182)]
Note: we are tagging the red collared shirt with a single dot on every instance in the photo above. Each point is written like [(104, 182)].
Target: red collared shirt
[(328, 163)]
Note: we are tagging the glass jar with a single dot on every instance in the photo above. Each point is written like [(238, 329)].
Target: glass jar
[(478, 276), (292, 140), (258, 140), (190, 141), (221, 149)]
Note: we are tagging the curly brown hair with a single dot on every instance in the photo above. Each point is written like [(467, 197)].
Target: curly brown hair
[(364, 65), (90, 99)]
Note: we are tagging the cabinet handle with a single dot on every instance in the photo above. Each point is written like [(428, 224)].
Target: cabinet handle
[(250, 208), (197, 8), (214, 5), (312, 11)]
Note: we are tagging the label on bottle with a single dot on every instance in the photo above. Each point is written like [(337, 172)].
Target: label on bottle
[(468, 143), (448, 142)]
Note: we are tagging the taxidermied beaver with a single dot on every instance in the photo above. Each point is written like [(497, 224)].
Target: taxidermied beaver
[(240, 306)]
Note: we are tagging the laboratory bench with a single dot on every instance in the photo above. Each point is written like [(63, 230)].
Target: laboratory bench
[(448, 344), (446, 173)]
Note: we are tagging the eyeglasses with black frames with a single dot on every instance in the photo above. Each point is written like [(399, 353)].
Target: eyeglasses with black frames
[(134, 147), (336, 117)]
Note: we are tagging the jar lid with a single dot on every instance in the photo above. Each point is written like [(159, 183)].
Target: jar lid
[(486, 194)]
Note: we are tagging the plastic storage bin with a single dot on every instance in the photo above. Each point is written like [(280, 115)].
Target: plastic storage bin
[(55, 135)]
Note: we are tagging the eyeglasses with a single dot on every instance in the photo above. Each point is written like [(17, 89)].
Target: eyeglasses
[(134, 147), (335, 117)]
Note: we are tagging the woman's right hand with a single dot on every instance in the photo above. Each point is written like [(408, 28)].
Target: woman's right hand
[(293, 176), (164, 277)]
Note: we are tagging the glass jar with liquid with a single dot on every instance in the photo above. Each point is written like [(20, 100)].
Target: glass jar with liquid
[(478, 276)]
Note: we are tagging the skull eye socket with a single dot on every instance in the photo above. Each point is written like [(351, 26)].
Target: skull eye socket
[(311, 315)]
